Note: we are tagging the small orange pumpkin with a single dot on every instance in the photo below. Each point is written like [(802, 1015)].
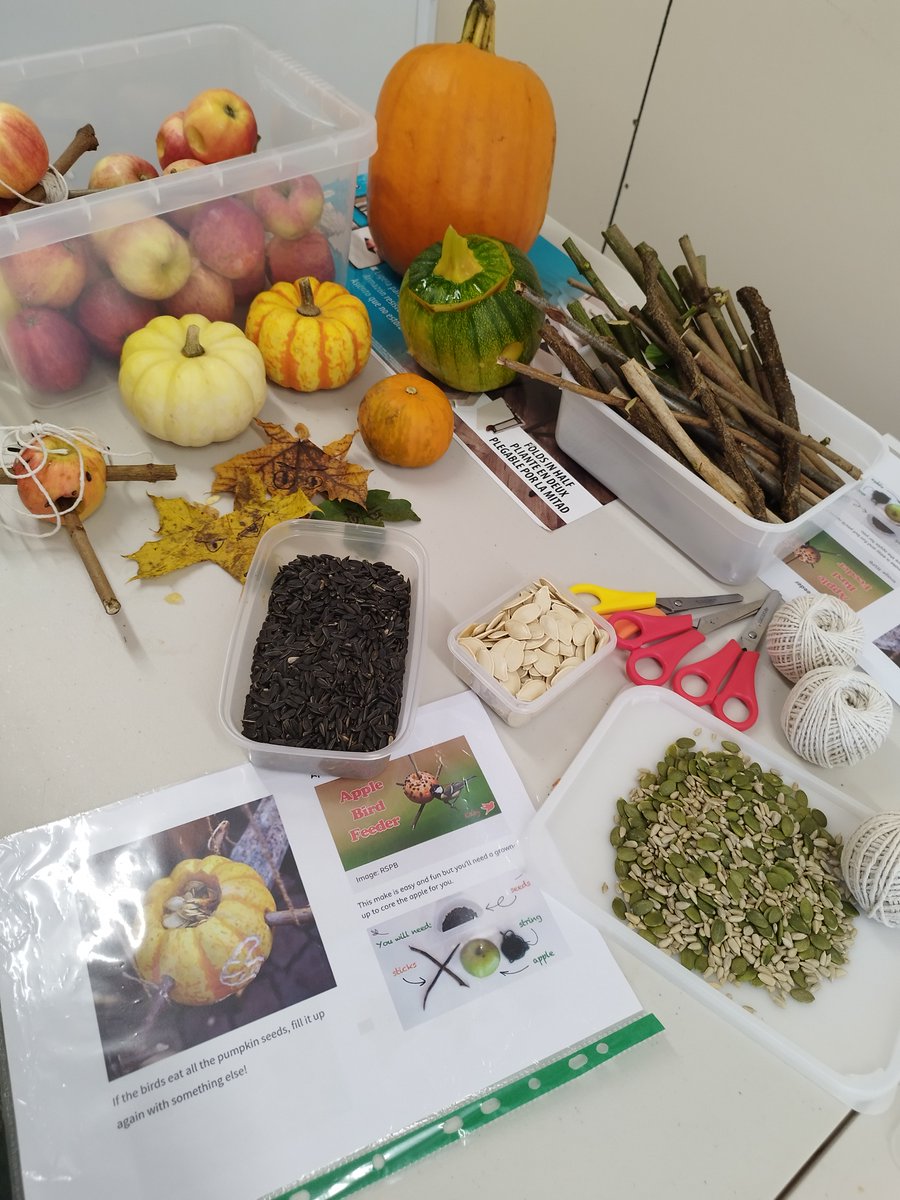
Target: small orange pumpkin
[(312, 335), (205, 928), (406, 420), (465, 138)]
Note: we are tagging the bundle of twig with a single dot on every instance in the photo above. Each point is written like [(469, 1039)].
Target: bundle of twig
[(684, 370)]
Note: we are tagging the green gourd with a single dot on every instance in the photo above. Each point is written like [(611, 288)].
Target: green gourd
[(459, 311)]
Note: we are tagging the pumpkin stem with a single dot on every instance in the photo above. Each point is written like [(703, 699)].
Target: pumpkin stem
[(192, 347), (457, 262), (478, 27), (307, 306)]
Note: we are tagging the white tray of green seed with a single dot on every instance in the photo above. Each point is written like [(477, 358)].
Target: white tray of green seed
[(716, 861)]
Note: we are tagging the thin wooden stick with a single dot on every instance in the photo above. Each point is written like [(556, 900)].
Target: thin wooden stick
[(134, 473), (705, 468), (84, 140), (568, 385), (74, 528)]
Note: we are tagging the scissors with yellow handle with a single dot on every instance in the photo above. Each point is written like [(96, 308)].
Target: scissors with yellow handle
[(609, 600)]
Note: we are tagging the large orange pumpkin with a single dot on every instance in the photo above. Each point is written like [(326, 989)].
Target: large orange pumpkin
[(406, 420), (205, 928), (465, 138), (312, 335)]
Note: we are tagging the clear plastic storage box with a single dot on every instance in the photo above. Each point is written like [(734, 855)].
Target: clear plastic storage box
[(63, 348), (279, 546), (514, 710), (726, 543)]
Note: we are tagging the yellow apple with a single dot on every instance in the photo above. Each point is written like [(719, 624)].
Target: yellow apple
[(60, 471), (219, 124), (148, 257)]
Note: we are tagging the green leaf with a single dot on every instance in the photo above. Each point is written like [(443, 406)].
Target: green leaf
[(379, 508), (655, 356)]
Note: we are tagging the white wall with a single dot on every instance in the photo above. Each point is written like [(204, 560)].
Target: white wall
[(769, 135)]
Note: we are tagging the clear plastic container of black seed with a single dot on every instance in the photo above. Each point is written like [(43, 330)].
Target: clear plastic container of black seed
[(319, 677)]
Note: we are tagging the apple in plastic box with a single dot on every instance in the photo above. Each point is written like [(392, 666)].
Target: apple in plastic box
[(290, 259), (51, 472), (219, 124), (24, 155), (171, 144), (115, 170), (292, 208), (148, 257), (206, 292), (249, 286), (183, 216), (229, 237), (48, 275), (47, 349), (108, 314)]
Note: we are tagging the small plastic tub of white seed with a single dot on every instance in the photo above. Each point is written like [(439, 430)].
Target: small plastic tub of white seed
[(527, 648)]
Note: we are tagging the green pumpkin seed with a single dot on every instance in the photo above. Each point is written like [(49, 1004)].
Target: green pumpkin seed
[(688, 959), (626, 854), (802, 995), (618, 907)]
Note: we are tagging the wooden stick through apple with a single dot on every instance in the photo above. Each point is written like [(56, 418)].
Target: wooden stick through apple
[(134, 473), (83, 141), (76, 531)]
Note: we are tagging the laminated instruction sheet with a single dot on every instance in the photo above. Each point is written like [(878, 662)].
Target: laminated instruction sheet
[(855, 555), (266, 984)]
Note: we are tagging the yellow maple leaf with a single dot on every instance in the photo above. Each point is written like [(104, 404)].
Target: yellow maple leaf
[(190, 533), (288, 463)]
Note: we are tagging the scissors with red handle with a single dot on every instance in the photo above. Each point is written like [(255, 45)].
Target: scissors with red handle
[(728, 673)]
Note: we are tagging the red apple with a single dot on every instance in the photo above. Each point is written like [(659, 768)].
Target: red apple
[(53, 275), (47, 349), (115, 170), (24, 156), (171, 144), (292, 259), (249, 286), (182, 164), (183, 216), (219, 124), (292, 208), (53, 473), (108, 314), (148, 257), (229, 237), (206, 292)]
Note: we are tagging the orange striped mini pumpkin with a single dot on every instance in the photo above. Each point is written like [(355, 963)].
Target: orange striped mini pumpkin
[(312, 335)]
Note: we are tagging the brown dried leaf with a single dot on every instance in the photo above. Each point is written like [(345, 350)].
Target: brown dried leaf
[(289, 463)]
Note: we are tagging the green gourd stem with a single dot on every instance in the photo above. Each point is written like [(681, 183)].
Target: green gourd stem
[(307, 306), (478, 27), (192, 347), (457, 262)]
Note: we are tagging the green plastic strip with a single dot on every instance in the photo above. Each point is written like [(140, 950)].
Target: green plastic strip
[(356, 1173)]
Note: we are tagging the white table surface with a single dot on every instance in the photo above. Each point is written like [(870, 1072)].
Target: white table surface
[(96, 708)]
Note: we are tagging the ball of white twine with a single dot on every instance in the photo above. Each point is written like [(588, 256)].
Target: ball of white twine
[(835, 716), (870, 862), (813, 631), (54, 185)]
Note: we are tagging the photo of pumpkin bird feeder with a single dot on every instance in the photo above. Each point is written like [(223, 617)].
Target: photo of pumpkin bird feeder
[(197, 931), (61, 477)]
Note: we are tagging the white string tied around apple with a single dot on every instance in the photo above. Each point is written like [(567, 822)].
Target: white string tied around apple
[(24, 454), (54, 185)]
